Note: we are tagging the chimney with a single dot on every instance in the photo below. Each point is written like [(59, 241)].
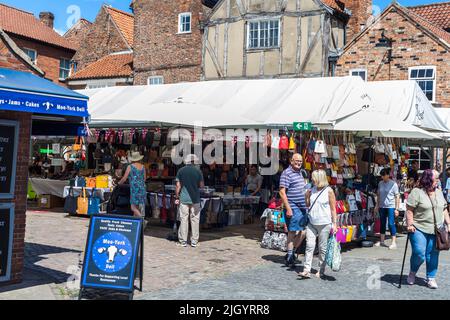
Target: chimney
[(361, 13), (47, 18)]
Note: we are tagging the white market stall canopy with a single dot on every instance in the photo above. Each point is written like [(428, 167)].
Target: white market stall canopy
[(405, 100), (377, 124), (444, 114), (230, 103)]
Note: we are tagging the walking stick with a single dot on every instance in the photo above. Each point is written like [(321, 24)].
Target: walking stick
[(403, 264)]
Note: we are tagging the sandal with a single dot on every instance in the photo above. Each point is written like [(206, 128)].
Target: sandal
[(305, 274)]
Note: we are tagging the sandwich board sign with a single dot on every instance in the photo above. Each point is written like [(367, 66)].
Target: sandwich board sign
[(112, 252)]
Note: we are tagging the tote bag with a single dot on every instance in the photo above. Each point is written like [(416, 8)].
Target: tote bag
[(70, 203), (93, 203), (82, 203), (319, 147)]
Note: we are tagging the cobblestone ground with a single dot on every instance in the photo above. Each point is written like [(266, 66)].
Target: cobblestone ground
[(228, 264)]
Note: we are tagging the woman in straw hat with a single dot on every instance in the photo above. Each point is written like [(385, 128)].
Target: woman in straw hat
[(136, 175)]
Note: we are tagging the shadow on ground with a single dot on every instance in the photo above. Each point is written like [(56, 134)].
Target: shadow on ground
[(34, 253)]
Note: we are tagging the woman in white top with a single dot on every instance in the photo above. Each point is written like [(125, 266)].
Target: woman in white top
[(321, 201)]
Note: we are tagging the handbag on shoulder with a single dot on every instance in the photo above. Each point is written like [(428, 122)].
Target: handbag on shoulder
[(442, 238)]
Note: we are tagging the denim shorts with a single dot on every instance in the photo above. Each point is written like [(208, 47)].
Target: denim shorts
[(298, 221)]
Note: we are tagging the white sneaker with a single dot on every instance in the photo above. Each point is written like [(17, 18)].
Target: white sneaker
[(393, 246), (411, 278), (380, 244), (431, 283)]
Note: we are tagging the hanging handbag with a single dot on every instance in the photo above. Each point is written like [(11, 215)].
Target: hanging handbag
[(93, 203), (319, 147), (90, 182), (70, 203), (441, 232), (292, 144), (82, 203), (77, 144), (80, 182)]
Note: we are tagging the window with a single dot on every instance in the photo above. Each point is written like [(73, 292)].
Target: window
[(64, 69), (155, 80), (421, 156), (426, 78), (31, 53), (359, 72), (184, 22), (263, 34)]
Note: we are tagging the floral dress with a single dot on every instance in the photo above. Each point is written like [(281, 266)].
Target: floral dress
[(137, 186)]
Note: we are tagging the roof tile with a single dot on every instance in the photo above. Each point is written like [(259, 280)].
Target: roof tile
[(437, 13), (125, 23), (111, 66), (22, 23)]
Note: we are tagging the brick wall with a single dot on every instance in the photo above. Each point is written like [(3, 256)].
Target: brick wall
[(361, 11), (48, 57), (102, 39), (411, 47), (20, 192), (10, 60), (158, 48)]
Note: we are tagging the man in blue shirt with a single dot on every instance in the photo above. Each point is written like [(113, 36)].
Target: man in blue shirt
[(292, 193)]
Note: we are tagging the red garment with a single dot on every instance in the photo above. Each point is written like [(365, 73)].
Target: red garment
[(284, 143)]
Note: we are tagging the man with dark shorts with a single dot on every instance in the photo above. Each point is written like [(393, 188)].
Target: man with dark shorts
[(292, 193)]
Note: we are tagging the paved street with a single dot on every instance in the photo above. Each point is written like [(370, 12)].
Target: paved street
[(228, 264)]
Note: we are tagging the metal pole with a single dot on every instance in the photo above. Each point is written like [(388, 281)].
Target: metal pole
[(369, 175)]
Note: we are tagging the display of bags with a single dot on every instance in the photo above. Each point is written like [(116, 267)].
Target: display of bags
[(335, 152), (276, 221), (333, 255), (80, 182), (275, 241), (352, 203), (284, 143), (70, 203), (93, 203), (292, 145), (82, 202)]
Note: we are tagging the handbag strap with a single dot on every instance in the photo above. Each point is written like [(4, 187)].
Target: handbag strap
[(434, 213), (320, 193)]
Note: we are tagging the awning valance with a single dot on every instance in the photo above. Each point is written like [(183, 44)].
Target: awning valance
[(26, 92)]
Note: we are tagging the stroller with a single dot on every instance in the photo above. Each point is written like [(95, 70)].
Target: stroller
[(119, 201)]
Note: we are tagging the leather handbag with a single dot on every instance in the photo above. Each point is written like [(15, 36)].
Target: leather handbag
[(93, 203), (101, 181), (442, 237), (82, 203), (70, 203)]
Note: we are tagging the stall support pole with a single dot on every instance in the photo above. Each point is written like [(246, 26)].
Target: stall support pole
[(444, 163), (369, 173)]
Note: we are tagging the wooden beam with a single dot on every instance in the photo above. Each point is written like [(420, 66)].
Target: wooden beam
[(214, 58), (225, 53), (310, 50)]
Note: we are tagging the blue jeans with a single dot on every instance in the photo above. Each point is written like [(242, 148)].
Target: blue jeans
[(388, 214), (424, 250)]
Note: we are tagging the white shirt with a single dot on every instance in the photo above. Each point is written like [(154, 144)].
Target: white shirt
[(320, 210)]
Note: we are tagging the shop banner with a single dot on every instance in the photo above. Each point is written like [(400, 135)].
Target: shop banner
[(6, 240), (9, 136), (45, 104), (111, 252)]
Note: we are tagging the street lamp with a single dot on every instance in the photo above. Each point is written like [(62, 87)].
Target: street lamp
[(385, 42)]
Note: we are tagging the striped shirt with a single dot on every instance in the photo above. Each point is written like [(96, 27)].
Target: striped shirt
[(295, 185)]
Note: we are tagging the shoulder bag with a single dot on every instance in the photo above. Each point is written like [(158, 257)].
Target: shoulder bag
[(442, 238)]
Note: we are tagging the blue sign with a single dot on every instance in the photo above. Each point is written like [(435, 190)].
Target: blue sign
[(111, 252), (45, 104)]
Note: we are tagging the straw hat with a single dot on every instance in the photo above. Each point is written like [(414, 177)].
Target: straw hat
[(135, 157)]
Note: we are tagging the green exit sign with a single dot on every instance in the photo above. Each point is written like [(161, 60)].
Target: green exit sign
[(302, 126)]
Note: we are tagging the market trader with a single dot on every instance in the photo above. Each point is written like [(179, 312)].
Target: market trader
[(292, 193), (189, 181), (413, 172)]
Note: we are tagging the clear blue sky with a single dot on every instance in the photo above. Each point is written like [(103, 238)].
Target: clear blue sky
[(68, 11)]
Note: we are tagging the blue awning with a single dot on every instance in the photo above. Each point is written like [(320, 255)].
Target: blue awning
[(26, 92)]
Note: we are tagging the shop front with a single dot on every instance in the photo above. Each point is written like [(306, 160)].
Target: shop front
[(24, 99)]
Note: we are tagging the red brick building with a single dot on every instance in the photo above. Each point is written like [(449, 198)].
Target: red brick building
[(104, 57), (77, 34), (47, 50), (404, 43), (168, 40)]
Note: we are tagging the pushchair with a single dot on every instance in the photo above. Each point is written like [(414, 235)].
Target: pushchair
[(119, 201)]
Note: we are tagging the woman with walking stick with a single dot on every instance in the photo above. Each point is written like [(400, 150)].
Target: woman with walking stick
[(426, 208)]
